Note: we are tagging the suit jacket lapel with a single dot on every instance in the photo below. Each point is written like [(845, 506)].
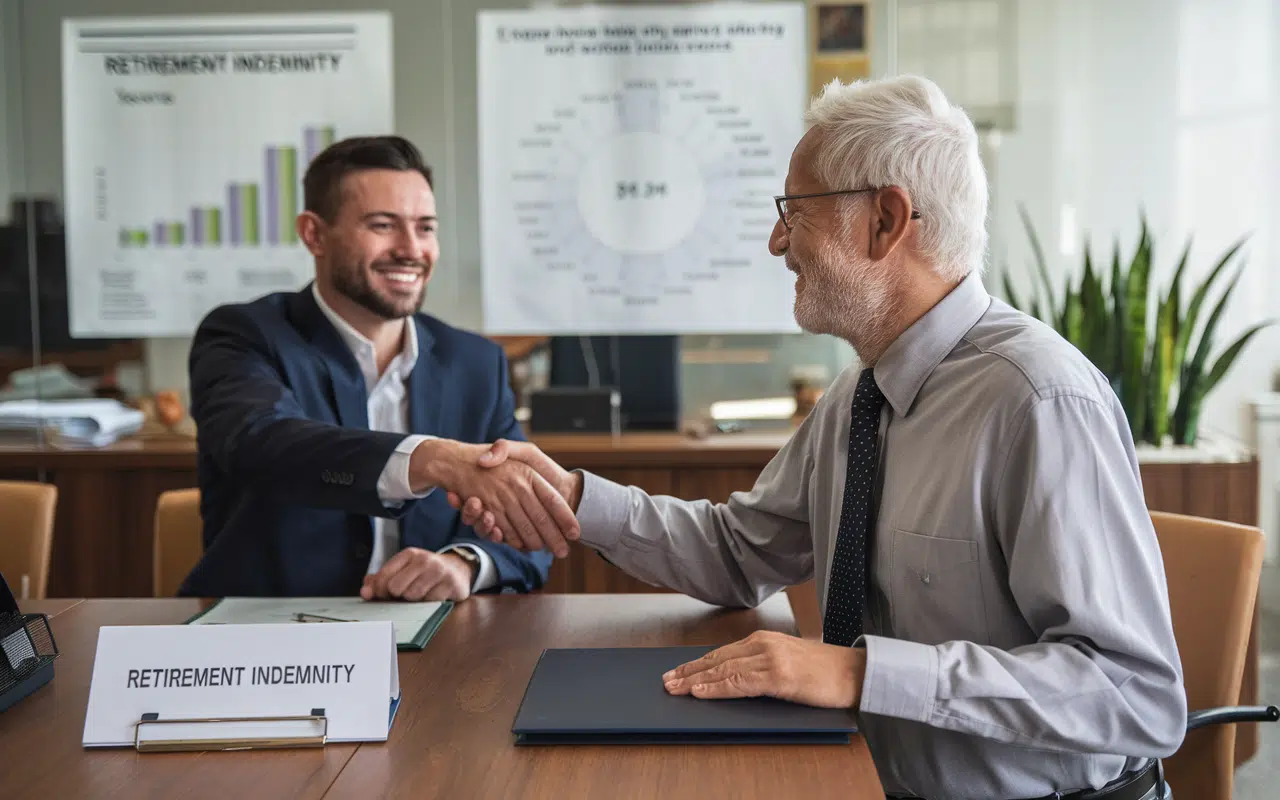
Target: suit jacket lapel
[(426, 381), (350, 397)]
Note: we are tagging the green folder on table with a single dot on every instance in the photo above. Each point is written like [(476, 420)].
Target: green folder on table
[(415, 623)]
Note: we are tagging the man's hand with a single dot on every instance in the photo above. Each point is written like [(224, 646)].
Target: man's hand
[(526, 510), (476, 514), (416, 574), (769, 664)]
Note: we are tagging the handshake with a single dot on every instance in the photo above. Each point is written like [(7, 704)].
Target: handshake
[(509, 491)]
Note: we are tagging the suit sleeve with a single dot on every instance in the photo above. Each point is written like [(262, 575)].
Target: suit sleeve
[(251, 424), (518, 570)]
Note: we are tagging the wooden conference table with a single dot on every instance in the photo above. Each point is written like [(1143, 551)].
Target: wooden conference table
[(451, 736)]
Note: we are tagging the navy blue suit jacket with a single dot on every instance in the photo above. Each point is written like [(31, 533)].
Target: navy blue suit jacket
[(288, 468)]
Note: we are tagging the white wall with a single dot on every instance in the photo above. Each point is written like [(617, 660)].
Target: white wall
[(1165, 105)]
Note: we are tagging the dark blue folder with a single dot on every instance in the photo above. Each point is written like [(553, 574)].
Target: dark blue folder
[(616, 696)]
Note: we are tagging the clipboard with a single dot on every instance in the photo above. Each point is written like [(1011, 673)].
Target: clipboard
[(415, 623), (304, 730)]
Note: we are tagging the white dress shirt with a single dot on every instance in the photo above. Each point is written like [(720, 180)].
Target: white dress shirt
[(388, 410)]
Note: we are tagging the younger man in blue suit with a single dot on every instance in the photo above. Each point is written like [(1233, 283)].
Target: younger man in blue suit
[(328, 418)]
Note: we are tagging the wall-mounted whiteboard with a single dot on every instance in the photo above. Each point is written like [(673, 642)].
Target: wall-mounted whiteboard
[(186, 139), (628, 161)]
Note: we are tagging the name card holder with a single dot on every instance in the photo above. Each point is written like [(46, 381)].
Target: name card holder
[(242, 687), (155, 735)]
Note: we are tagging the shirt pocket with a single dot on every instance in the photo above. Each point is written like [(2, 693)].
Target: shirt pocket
[(936, 593)]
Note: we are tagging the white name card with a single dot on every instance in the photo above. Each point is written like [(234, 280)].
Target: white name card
[(205, 672)]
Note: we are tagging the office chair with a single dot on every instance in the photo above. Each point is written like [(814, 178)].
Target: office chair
[(178, 540), (1212, 570), (26, 541)]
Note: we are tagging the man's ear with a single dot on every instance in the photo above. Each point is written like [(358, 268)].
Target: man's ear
[(311, 230), (889, 219)]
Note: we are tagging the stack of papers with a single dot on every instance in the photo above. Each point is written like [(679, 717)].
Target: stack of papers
[(415, 623), (91, 423), (47, 381)]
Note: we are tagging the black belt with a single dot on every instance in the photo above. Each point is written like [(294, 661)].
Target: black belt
[(1130, 786)]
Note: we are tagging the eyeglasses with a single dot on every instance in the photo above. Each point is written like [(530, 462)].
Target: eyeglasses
[(781, 201)]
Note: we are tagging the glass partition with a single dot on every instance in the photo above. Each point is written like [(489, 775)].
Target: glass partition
[(22, 220), (1091, 114), (434, 64)]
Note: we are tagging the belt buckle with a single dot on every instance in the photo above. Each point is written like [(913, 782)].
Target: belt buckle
[(1123, 782)]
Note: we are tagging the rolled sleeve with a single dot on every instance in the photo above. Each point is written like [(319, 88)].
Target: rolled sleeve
[(901, 678), (393, 483)]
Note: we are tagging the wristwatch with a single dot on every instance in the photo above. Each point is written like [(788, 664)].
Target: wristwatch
[(468, 555)]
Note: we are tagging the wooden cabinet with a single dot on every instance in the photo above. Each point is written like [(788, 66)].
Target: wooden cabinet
[(107, 497)]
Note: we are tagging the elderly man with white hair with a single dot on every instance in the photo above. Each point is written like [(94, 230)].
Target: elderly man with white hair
[(968, 497)]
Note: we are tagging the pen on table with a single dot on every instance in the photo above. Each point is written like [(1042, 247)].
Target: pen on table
[(301, 617)]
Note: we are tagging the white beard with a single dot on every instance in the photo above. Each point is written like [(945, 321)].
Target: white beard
[(845, 294)]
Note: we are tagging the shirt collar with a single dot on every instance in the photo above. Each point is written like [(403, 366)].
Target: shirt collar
[(912, 357), (359, 344)]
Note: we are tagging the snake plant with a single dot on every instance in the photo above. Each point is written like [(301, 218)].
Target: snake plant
[(1143, 344)]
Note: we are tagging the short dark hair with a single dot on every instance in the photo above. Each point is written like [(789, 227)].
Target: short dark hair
[(322, 183)]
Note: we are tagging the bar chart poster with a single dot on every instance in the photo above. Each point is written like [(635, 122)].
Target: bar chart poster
[(186, 140), (629, 156)]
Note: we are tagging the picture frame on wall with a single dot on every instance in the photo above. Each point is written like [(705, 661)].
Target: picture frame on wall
[(839, 36)]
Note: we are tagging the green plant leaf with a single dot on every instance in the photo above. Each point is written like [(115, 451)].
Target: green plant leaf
[(1088, 309), (1175, 297), (1134, 384), (1115, 332), (1164, 348), (1194, 379), (1067, 291), (1042, 269), (1163, 369), (1035, 309), (1183, 424), (1210, 326), (1097, 318), (1191, 416), (1148, 420), (1010, 294), (1186, 327), (1073, 321), (1228, 357)]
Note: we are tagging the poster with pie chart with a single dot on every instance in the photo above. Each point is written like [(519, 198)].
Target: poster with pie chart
[(629, 157)]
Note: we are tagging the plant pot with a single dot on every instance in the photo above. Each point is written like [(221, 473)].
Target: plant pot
[(1209, 448)]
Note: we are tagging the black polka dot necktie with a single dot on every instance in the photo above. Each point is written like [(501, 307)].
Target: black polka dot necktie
[(847, 588)]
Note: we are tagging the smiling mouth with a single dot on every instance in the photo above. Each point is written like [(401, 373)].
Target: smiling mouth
[(402, 275)]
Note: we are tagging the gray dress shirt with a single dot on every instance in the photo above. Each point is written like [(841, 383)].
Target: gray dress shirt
[(1018, 634)]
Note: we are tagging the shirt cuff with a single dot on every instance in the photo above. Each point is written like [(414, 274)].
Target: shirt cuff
[(393, 483), (901, 678), (487, 575), (602, 511)]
